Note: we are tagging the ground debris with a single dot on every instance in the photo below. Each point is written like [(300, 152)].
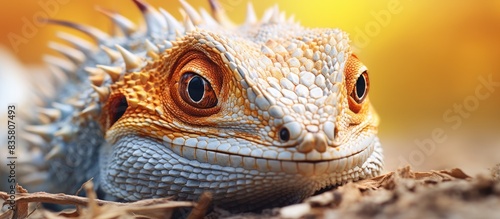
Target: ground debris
[(91, 207), (408, 194), (399, 194)]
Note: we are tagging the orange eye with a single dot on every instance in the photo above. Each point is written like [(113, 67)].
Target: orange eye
[(360, 90), (357, 83), (195, 87), (197, 91)]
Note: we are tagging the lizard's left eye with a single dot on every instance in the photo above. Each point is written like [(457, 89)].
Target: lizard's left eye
[(197, 91), (357, 83), (195, 87), (361, 88)]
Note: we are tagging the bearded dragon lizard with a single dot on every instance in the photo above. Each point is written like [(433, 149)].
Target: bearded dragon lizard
[(262, 114)]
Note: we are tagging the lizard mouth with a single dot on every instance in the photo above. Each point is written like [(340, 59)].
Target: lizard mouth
[(334, 160)]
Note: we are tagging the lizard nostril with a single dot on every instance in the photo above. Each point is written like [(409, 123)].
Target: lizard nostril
[(284, 134)]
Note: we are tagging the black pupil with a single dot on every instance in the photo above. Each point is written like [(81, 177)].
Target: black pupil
[(361, 87), (196, 88), (284, 134)]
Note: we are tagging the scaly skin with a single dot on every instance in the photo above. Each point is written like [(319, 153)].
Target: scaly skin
[(261, 115)]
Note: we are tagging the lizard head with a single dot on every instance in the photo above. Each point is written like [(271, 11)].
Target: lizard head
[(264, 114)]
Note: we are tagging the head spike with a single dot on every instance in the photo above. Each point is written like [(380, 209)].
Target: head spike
[(291, 19), (94, 71), (131, 60), (45, 131), (282, 17), (34, 140), (92, 109), (275, 17), (43, 119), (67, 132), (82, 45), (114, 72), (207, 18), (65, 109), (268, 13), (43, 91), (52, 113), (96, 75), (112, 54), (76, 103), (172, 23), (188, 25), (96, 80), (125, 25), (183, 13), (219, 14), (56, 151), (58, 74), (251, 17), (153, 19), (102, 91), (72, 54), (178, 34), (66, 66), (93, 32), (152, 50), (191, 12)]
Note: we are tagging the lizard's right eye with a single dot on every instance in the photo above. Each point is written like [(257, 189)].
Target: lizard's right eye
[(197, 91)]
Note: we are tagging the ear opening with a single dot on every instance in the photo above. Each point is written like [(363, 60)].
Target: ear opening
[(117, 108)]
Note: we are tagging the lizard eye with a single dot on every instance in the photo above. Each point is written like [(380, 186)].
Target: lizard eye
[(361, 88), (357, 83), (284, 134), (197, 91), (195, 87)]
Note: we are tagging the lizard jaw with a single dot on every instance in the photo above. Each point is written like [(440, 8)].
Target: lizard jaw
[(137, 168)]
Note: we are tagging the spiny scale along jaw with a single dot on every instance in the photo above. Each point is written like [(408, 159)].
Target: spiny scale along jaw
[(261, 115)]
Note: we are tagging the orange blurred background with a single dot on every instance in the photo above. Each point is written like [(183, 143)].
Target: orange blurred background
[(426, 59)]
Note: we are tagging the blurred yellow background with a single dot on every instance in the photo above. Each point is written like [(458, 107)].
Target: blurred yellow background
[(427, 59)]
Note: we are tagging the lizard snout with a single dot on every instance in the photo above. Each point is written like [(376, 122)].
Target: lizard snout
[(309, 137), (313, 141)]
